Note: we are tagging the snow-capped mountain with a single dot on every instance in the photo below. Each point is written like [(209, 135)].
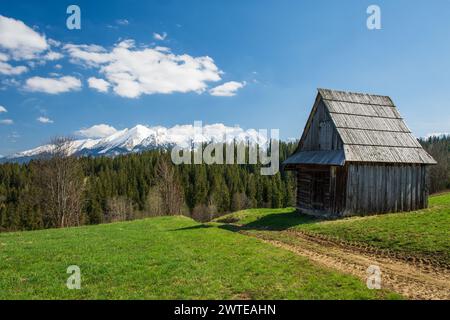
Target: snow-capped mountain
[(141, 138)]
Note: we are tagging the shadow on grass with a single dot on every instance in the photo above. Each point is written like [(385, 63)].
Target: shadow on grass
[(200, 226), (274, 222), (269, 222)]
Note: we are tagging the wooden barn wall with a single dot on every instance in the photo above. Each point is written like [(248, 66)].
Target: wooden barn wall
[(313, 188), (304, 186), (375, 188), (329, 181), (322, 134), (338, 190)]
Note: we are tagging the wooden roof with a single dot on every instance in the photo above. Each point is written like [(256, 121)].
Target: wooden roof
[(371, 129), (333, 157)]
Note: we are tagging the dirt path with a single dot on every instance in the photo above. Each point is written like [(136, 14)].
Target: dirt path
[(414, 280)]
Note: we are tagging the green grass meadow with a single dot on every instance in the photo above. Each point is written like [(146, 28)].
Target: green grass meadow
[(178, 258), (163, 258)]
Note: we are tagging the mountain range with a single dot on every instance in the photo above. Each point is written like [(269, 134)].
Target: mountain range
[(141, 138)]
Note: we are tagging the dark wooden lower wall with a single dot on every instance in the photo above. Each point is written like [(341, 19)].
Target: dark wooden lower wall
[(321, 190), (313, 188), (380, 188)]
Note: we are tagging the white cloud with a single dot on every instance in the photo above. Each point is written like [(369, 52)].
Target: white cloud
[(53, 42), (98, 84), (97, 131), (92, 55), (3, 109), (158, 36), (53, 85), (133, 72), (3, 57), (6, 121), (51, 56), (44, 120), (227, 89), (7, 69), (123, 22), (19, 40), (10, 82), (58, 66)]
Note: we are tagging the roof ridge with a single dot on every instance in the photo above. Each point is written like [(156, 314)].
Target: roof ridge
[(365, 103), (381, 145), (365, 115), (376, 130), (353, 92)]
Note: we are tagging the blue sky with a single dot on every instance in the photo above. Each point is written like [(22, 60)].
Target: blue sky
[(272, 55)]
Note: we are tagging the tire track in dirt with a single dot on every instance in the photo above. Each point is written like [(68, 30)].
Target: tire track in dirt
[(430, 263), (412, 280)]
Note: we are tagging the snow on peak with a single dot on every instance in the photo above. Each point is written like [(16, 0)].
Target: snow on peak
[(143, 137)]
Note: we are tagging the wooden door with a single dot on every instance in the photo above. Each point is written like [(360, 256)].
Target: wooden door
[(321, 190)]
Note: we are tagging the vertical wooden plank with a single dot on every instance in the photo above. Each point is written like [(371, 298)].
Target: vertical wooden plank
[(343, 184), (413, 187), (411, 170), (352, 177), (390, 195), (421, 186), (418, 189), (405, 188), (363, 180), (402, 191), (333, 189), (408, 188), (298, 188), (360, 192), (356, 187), (381, 190), (351, 193), (427, 187), (375, 188), (399, 188), (392, 188), (367, 178), (347, 207), (371, 189), (396, 188), (389, 188), (366, 189)]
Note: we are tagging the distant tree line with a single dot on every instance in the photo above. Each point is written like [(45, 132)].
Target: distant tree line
[(60, 190), (439, 148)]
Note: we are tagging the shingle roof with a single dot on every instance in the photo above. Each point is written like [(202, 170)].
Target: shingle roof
[(333, 157), (372, 129)]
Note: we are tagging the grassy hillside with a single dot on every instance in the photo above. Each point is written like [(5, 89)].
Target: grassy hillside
[(423, 232), (163, 258)]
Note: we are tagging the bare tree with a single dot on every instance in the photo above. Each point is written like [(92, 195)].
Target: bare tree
[(61, 183), (204, 213), (169, 188), (239, 201), (154, 206), (119, 209)]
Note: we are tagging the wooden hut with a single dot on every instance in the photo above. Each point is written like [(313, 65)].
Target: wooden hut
[(357, 156)]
